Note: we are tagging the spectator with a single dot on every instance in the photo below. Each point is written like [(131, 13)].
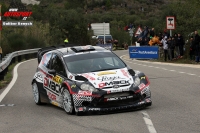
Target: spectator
[(66, 41), (197, 47), (151, 32), (192, 48), (180, 42), (176, 50), (165, 47), (172, 47)]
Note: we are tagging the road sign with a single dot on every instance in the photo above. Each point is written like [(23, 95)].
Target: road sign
[(138, 31), (131, 32), (170, 21)]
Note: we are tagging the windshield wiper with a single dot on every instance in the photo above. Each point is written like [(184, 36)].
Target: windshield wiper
[(105, 69)]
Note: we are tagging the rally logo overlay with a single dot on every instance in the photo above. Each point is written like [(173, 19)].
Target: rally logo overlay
[(18, 12), (13, 12)]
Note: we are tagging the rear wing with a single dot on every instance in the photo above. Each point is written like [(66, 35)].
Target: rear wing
[(44, 50)]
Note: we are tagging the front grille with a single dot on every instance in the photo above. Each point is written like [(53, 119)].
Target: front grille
[(121, 102), (120, 94)]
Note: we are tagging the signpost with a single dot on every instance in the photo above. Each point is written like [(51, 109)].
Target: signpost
[(138, 31), (170, 23), (131, 34)]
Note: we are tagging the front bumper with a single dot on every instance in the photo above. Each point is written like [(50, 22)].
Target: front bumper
[(135, 105)]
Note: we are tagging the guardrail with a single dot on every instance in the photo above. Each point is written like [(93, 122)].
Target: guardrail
[(10, 58)]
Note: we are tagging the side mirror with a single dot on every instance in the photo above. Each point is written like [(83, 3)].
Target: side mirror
[(53, 72)]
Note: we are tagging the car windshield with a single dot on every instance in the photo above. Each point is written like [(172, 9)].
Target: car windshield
[(92, 62)]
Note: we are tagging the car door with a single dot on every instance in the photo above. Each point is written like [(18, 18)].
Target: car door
[(53, 82)]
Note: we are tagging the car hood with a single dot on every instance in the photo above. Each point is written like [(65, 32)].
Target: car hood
[(109, 78)]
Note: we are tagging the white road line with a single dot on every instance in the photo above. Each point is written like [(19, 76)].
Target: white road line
[(172, 70), (9, 87), (191, 74), (148, 122), (157, 67), (150, 66), (181, 72), (164, 69)]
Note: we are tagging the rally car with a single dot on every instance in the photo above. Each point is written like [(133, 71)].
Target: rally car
[(83, 79)]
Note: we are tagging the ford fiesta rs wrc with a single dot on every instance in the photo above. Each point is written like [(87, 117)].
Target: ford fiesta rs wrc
[(83, 79)]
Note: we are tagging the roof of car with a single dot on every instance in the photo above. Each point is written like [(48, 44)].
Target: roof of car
[(81, 49)]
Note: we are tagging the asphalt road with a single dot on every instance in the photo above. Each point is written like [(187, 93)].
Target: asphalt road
[(175, 95)]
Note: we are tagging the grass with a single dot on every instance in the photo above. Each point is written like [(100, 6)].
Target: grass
[(8, 77)]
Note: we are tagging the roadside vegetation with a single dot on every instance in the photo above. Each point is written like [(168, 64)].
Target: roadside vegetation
[(8, 77), (56, 19)]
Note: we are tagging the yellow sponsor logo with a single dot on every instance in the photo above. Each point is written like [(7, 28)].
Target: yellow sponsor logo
[(73, 86), (57, 79), (105, 73), (55, 103), (142, 77)]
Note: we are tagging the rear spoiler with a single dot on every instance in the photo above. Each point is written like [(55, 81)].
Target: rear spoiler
[(44, 50)]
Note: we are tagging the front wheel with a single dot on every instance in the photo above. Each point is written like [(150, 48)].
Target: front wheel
[(68, 104), (36, 94)]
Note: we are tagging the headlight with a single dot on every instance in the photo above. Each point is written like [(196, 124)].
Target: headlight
[(87, 87), (137, 81)]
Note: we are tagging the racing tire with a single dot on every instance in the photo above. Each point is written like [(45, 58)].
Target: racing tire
[(68, 103), (36, 93)]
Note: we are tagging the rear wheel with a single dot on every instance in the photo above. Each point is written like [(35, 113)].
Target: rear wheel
[(36, 94), (68, 103)]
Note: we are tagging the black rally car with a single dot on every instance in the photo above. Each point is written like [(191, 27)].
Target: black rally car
[(88, 79)]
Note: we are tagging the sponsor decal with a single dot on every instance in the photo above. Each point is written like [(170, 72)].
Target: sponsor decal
[(119, 98), (88, 76), (142, 102), (94, 109), (85, 93), (142, 85), (73, 86), (57, 79), (84, 98), (55, 103), (39, 76), (106, 73), (116, 86), (113, 83), (51, 96), (70, 77), (125, 73), (144, 90), (107, 78), (117, 90), (53, 86), (142, 77)]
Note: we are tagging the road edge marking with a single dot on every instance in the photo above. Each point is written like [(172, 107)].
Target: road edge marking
[(148, 122), (15, 76)]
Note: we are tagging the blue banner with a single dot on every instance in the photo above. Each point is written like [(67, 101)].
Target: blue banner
[(143, 52), (107, 46)]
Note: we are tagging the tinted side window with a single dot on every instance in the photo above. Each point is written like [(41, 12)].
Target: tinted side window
[(57, 64), (46, 60)]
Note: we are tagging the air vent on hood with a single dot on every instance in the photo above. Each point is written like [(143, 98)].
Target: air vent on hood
[(81, 78), (132, 73)]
